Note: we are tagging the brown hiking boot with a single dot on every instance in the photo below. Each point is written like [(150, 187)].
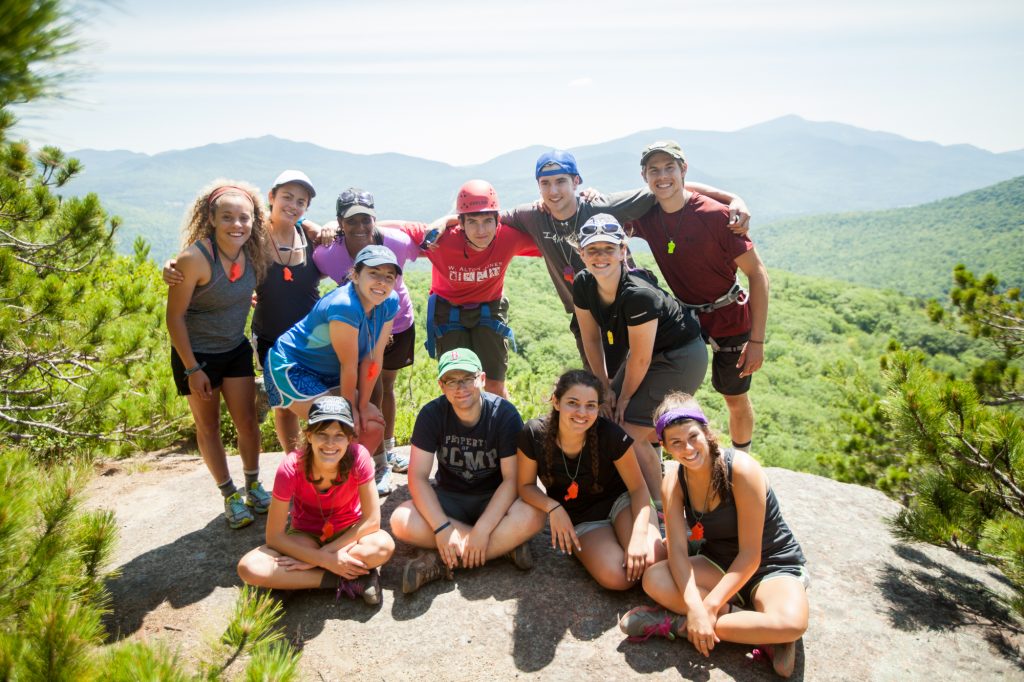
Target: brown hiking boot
[(783, 658), (521, 557), (425, 567)]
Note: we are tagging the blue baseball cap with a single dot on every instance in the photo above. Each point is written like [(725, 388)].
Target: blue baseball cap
[(565, 162), (375, 254)]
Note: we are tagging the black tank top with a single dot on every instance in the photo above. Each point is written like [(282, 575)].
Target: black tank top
[(282, 303), (721, 529)]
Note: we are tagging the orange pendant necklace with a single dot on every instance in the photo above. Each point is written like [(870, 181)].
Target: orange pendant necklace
[(697, 529), (235, 273), (573, 491)]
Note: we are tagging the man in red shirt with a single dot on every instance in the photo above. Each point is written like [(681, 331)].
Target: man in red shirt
[(466, 307), (698, 256)]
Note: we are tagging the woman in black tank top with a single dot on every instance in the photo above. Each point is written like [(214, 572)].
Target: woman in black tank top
[(745, 582)]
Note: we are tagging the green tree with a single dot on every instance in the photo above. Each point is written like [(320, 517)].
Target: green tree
[(77, 321), (967, 434)]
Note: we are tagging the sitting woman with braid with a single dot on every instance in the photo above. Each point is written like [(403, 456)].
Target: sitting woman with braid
[(746, 581), (597, 503)]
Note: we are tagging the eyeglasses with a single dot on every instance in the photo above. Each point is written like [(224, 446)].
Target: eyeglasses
[(606, 228), (465, 382), (350, 198)]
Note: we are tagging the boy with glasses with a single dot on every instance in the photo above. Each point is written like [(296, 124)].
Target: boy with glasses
[(471, 513)]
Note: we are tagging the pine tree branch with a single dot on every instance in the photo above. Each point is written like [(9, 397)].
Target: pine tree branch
[(1016, 493)]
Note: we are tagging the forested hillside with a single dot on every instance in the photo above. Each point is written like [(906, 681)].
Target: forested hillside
[(911, 250)]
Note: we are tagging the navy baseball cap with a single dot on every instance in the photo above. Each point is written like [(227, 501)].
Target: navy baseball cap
[(564, 161), (375, 254)]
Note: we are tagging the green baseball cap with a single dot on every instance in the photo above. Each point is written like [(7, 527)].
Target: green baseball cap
[(670, 147), (458, 358)]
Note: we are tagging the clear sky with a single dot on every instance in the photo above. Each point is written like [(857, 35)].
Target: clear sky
[(462, 82)]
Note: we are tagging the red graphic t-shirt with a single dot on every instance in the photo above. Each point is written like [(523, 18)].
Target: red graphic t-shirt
[(464, 275)]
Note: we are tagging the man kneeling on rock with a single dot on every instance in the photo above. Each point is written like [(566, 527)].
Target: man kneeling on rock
[(470, 514)]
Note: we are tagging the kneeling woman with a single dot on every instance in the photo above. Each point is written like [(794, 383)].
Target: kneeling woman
[(747, 582), (333, 537), (338, 348), (597, 502)]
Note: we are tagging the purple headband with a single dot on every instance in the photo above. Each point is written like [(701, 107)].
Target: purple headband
[(678, 414)]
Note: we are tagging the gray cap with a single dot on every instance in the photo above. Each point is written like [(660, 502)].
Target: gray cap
[(375, 254), (330, 408), (602, 227)]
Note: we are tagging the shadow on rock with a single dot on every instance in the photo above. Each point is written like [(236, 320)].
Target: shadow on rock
[(181, 573), (657, 654), (928, 595)]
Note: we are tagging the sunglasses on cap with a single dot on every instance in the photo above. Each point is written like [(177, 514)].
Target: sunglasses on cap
[(604, 228), (350, 198)]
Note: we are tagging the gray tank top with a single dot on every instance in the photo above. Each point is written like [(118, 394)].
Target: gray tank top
[(721, 532), (216, 315)]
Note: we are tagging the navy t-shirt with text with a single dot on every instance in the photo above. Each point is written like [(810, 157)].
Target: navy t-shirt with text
[(468, 457)]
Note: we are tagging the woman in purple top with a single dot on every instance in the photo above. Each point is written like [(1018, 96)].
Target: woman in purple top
[(357, 227)]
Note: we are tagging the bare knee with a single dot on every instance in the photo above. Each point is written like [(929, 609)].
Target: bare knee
[(610, 576), (377, 548), (402, 522), (255, 567), (527, 518)]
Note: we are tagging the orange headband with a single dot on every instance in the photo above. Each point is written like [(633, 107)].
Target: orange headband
[(224, 189)]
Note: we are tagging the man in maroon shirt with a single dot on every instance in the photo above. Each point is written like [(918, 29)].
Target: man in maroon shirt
[(698, 256)]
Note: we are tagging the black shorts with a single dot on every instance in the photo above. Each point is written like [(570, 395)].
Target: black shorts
[(400, 349), (725, 375), (219, 366), (262, 348), (465, 507)]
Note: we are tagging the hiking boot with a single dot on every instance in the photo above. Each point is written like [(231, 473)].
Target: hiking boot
[(425, 568), (235, 511), (398, 462), (257, 498), (644, 622), (521, 557), (783, 658), (262, 401), (383, 479)]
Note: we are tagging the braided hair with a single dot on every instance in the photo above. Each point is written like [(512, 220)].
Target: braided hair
[(720, 482), (574, 377)]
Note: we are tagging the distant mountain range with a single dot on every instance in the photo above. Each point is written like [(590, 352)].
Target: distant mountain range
[(909, 250), (785, 167)]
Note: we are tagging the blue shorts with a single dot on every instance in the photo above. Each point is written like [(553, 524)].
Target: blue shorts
[(288, 382)]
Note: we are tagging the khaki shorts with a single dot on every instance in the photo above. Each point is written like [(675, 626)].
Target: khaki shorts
[(490, 346)]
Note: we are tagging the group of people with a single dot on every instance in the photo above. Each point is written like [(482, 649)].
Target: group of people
[(591, 470)]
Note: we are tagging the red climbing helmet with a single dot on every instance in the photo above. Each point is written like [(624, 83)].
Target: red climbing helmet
[(476, 196)]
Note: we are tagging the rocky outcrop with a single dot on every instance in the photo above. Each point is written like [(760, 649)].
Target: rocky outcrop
[(880, 609)]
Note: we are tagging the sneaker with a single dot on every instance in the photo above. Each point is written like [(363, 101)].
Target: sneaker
[(365, 586), (521, 557), (262, 401), (257, 498), (383, 479), (371, 587), (783, 658), (644, 622), (398, 462), (424, 568), (235, 511)]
